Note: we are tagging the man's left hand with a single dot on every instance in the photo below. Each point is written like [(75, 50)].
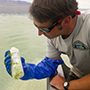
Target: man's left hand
[(57, 82)]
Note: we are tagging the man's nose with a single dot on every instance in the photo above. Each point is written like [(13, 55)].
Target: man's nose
[(40, 32)]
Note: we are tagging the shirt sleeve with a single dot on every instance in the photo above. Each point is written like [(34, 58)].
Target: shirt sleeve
[(89, 37)]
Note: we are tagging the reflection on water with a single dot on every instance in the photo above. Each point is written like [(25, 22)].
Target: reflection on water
[(18, 31)]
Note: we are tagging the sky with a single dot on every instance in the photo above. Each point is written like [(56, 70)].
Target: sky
[(82, 3)]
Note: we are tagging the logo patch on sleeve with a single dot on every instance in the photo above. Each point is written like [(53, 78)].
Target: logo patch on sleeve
[(79, 45)]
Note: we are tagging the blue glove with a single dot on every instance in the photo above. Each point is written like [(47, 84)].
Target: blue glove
[(45, 68), (7, 62)]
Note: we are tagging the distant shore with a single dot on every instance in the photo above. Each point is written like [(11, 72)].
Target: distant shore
[(15, 7)]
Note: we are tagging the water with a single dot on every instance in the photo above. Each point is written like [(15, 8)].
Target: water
[(18, 31)]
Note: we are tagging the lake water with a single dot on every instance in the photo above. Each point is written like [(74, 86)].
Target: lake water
[(19, 31)]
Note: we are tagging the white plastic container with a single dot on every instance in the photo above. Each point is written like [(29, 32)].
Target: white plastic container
[(17, 69)]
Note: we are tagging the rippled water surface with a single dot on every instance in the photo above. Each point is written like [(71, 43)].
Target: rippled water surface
[(18, 31)]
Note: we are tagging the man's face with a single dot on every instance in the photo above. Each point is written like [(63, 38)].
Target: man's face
[(53, 33)]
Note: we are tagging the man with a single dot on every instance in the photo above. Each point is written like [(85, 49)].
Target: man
[(68, 33)]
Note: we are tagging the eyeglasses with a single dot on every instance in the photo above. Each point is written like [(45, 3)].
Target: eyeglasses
[(48, 29)]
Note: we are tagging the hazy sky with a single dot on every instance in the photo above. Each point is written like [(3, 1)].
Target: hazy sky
[(82, 3)]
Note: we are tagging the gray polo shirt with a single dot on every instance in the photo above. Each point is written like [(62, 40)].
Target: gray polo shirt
[(76, 46)]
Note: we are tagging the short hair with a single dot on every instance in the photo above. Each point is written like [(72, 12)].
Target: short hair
[(52, 10)]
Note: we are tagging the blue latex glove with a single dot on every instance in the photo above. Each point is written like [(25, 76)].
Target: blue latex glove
[(7, 62), (45, 68)]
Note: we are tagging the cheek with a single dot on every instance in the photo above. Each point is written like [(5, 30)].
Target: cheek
[(55, 31)]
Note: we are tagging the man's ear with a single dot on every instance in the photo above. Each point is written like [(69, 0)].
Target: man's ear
[(67, 21)]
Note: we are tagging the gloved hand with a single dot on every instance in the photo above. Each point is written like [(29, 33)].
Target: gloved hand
[(8, 62), (45, 68)]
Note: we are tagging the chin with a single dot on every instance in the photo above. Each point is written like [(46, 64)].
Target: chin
[(50, 37)]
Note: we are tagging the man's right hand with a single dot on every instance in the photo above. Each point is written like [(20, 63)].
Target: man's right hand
[(8, 62)]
